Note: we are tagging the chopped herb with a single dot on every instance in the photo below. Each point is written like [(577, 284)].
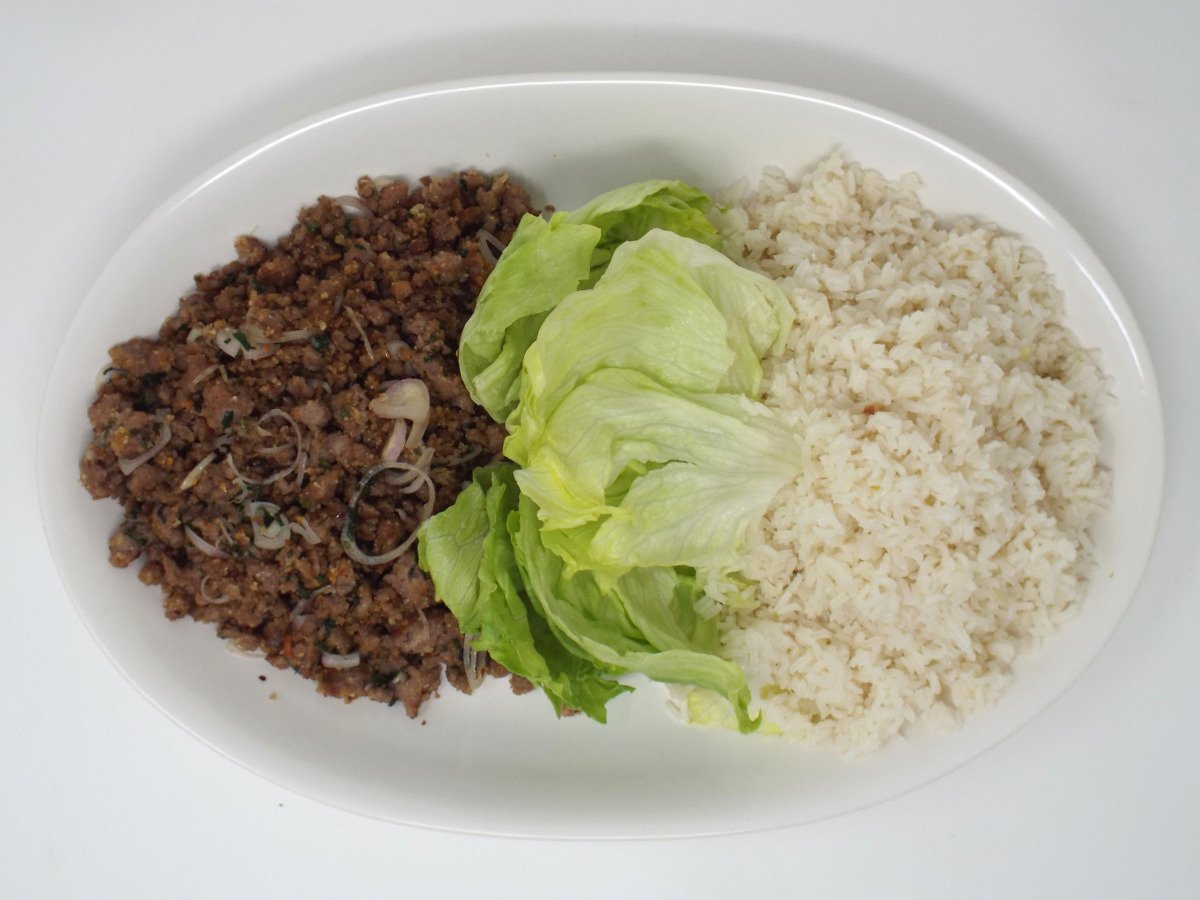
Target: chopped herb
[(134, 536), (383, 679), (344, 413), (312, 227), (146, 400), (230, 278), (462, 184), (320, 341), (463, 252), (243, 340), (227, 418), (257, 285), (329, 625)]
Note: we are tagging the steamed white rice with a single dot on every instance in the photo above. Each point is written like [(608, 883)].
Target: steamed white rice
[(951, 459)]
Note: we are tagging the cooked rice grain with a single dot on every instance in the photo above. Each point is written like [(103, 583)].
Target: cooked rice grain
[(951, 459)]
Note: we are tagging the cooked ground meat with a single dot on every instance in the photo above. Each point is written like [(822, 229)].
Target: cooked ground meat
[(358, 294)]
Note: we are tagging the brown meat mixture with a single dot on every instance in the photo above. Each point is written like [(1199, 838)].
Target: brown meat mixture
[(360, 293)]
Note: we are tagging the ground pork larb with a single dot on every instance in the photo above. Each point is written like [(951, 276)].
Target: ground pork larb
[(244, 442)]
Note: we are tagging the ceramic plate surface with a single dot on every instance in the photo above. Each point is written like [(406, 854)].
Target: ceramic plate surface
[(495, 763)]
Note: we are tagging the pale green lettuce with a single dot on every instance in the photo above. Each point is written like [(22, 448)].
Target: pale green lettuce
[(511, 307), (546, 261), (468, 551), (636, 416), (646, 623), (624, 355), (662, 477)]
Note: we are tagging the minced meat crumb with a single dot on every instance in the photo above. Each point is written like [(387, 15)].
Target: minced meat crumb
[(359, 293)]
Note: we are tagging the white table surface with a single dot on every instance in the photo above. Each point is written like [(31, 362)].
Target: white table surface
[(108, 107)]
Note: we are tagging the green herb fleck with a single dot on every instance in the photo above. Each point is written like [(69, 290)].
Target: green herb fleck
[(146, 401), (320, 341), (134, 536), (383, 679), (227, 418)]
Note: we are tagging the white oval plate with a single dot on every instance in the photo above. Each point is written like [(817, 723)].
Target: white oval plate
[(495, 763)]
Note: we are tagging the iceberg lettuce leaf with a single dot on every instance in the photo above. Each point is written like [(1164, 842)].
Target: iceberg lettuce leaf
[(624, 355), (546, 261), (468, 552), (542, 264), (710, 464), (584, 617), (627, 213)]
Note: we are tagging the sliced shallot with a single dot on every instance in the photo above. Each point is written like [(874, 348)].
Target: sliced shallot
[(209, 599), (350, 545), (362, 333), (301, 527), (269, 525), (473, 663), (193, 476), (202, 545), (352, 205), (395, 441), (249, 340), (282, 473), (164, 438), (199, 378), (257, 653), (490, 246), (405, 399)]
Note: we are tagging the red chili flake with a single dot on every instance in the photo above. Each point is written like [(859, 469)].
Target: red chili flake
[(869, 409)]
